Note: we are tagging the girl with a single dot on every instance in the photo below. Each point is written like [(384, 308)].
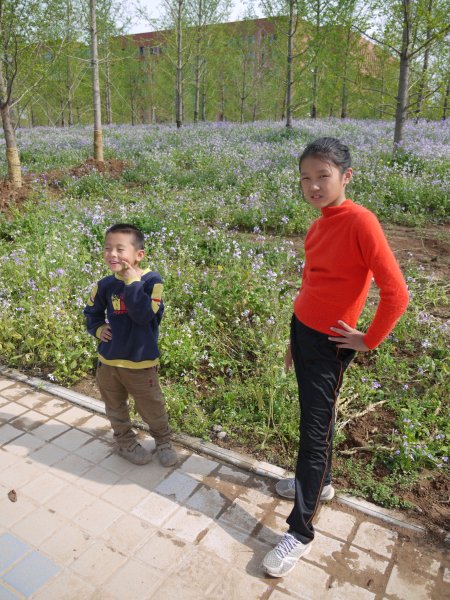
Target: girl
[(344, 248)]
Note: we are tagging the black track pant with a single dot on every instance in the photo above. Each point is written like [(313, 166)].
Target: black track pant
[(319, 367)]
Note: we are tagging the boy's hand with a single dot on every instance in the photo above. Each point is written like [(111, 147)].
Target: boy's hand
[(129, 272), (288, 359), (106, 333), (349, 338)]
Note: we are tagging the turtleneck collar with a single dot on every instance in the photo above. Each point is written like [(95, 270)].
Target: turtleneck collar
[(330, 211)]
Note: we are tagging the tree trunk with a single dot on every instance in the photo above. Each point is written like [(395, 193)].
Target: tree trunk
[(290, 58), (314, 91), (69, 94), (446, 97), (179, 74), (426, 60), (403, 79), (109, 118), (98, 136), (344, 101), (12, 153), (203, 101)]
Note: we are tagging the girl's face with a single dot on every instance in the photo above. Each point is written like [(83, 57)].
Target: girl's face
[(322, 182)]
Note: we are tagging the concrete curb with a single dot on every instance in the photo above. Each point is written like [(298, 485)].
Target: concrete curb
[(229, 456)]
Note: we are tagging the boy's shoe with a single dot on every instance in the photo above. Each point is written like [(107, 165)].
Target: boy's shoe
[(166, 454), (136, 454), (283, 558), (286, 488)]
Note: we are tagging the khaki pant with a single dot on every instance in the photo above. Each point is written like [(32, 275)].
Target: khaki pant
[(116, 384)]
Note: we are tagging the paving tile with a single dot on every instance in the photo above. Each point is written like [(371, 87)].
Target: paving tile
[(53, 407), (98, 480), (24, 445), (4, 383), (177, 486), (349, 591), (8, 432), (33, 399), (31, 573), (6, 594), (65, 586), (283, 507), (235, 585), (11, 549), (227, 543), (11, 411), (162, 551), (367, 569), (259, 493), (116, 463), (37, 526), (133, 580), (273, 527), (50, 429), (447, 576), (95, 450), (96, 425), (337, 523), (203, 568), (325, 551), (29, 420), (233, 475), (155, 509), (98, 563), (148, 476), (376, 538), (11, 512), (70, 501), (72, 467), (72, 440), (74, 416), (198, 466), (20, 473), (48, 455), (188, 525), (239, 516), (305, 582), (66, 544), (7, 459), (128, 533), (405, 584), (176, 588), (15, 391), (97, 517), (208, 501), (125, 494)]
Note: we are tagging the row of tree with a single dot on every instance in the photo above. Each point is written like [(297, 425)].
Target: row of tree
[(65, 62)]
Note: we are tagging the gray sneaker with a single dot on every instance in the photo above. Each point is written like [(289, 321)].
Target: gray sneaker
[(286, 488), (136, 454), (166, 454), (283, 558)]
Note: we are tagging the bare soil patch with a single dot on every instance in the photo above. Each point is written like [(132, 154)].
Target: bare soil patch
[(111, 168)]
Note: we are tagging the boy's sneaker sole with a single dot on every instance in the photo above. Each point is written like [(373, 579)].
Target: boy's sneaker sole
[(286, 489)]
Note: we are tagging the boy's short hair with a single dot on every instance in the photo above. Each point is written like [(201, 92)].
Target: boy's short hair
[(138, 236)]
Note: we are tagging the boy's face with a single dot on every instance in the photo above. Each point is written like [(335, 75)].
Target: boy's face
[(119, 247)]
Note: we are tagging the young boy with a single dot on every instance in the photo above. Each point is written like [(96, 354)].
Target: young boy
[(124, 312)]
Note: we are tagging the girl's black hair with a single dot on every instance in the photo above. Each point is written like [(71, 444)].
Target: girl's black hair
[(138, 236), (330, 150)]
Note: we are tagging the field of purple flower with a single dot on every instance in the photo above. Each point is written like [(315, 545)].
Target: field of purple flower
[(224, 222)]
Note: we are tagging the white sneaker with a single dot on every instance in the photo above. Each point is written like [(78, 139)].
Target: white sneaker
[(283, 558), (286, 488)]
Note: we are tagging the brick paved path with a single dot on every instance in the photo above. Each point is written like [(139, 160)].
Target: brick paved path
[(89, 525)]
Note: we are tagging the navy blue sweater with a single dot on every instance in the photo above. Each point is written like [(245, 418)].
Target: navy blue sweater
[(133, 311)]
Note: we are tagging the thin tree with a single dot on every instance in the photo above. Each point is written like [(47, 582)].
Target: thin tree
[(98, 135)]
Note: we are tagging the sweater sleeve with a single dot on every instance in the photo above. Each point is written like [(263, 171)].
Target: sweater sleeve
[(144, 300), (393, 291), (95, 311)]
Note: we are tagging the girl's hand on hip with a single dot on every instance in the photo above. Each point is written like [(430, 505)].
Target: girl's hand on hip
[(288, 359), (349, 338)]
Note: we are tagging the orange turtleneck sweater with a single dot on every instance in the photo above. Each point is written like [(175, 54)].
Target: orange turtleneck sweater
[(344, 249)]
